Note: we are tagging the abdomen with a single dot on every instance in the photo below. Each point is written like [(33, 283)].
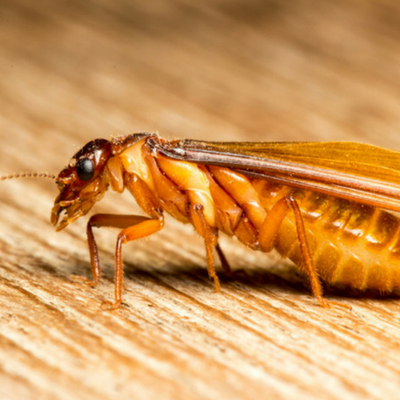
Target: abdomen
[(352, 245)]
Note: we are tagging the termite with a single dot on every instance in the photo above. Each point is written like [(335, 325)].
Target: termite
[(326, 206)]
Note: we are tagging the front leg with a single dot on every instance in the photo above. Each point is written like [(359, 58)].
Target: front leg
[(104, 220), (133, 227)]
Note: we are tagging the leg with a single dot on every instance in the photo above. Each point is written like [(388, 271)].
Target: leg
[(210, 240), (226, 267), (133, 227), (270, 229), (98, 221), (139, 231), (224, 261)]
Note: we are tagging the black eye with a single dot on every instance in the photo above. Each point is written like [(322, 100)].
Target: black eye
[(85, 169)]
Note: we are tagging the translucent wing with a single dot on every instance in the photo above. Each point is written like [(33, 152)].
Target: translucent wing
[(353, 171)]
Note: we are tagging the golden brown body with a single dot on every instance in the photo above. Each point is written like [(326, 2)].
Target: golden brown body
[(352, 244), (330, 237)]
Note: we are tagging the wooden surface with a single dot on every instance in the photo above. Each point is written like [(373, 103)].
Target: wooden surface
[(72, 71)]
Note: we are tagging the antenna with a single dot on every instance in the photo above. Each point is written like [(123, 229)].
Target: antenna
[(27, 175)]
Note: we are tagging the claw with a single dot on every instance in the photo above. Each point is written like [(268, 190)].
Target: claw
[(88, 282), (110, 305), (217, 286), (333, 304)]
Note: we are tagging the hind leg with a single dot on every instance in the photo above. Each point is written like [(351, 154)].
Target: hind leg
[(270, 229)]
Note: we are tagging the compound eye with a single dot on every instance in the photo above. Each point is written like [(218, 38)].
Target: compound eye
[(85, 169)]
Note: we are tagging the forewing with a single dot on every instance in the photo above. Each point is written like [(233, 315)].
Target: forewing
[(354, 171)]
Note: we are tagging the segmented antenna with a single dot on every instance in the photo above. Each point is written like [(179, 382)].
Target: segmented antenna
[(27, 175)]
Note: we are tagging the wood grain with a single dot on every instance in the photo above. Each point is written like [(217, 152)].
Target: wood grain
[(226, 70)]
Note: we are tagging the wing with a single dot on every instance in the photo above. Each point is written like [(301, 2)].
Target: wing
[(353, 171)]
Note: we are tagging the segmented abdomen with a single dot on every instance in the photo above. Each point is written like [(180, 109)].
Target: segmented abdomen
[(352, 244)]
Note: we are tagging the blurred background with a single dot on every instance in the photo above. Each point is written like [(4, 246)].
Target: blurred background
[(225, 69), (272, 70)]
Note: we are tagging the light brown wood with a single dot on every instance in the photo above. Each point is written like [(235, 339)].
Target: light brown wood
[(225, 70)]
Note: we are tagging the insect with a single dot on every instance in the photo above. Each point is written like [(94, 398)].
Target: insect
[(326, 206)]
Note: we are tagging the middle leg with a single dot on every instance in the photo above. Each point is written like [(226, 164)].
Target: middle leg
[(210, 240)]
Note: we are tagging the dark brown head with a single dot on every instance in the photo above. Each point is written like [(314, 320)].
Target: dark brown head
[(85, 180), (81, 183)]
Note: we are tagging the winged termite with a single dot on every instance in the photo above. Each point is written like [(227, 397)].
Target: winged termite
[(320, 204)]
